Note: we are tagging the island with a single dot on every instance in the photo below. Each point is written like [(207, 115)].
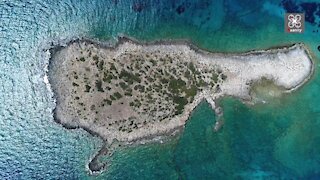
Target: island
[(131, 91)]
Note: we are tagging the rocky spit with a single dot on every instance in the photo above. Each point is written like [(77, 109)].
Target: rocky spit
[(132, 92)]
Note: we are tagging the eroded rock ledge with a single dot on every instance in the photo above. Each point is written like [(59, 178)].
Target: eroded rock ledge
[(133, 90)]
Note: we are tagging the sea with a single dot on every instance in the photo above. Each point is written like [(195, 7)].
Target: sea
[(276, 139)]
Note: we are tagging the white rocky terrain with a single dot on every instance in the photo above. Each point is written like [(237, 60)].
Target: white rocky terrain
[(133, 90)]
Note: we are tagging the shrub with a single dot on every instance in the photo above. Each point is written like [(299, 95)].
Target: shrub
[(117, 95), (175, 85), (192, 91), (181, 102), (215, 77), (87, 88), (223, 77), (128, 93), (109, 102), (129, 77), (100, 65), (112, 97), (82, 59), (123, 85), (99, 86), (95, 57)]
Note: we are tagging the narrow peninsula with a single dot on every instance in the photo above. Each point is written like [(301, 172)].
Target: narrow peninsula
[(132, 91)]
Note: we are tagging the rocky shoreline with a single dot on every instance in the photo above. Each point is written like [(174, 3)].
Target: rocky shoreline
[(226, 62)]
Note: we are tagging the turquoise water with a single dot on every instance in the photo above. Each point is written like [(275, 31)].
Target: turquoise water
[(276, 140)]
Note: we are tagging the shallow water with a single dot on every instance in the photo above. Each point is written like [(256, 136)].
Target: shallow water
[(279, 139)]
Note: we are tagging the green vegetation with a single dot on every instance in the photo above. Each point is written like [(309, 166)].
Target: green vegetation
[(128, 94), (82, 59), (113, 98), (139, 87), (164, 81), (191, 92), (129, 77), (112, 67), (180, 103), (123, 85), (99, 86), (108, 76), (214, 77), (175, 85), (109, 102), (187, 74), (167, 83), (201, 83), (191, 67), (100, 65), (87, 88), (131, 103), (154, 63), (117, 95), (95, 58)]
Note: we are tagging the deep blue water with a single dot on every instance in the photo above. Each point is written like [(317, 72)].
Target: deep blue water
[(277, 140)]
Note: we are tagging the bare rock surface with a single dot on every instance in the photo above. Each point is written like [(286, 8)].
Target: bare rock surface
[(133, 91)]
